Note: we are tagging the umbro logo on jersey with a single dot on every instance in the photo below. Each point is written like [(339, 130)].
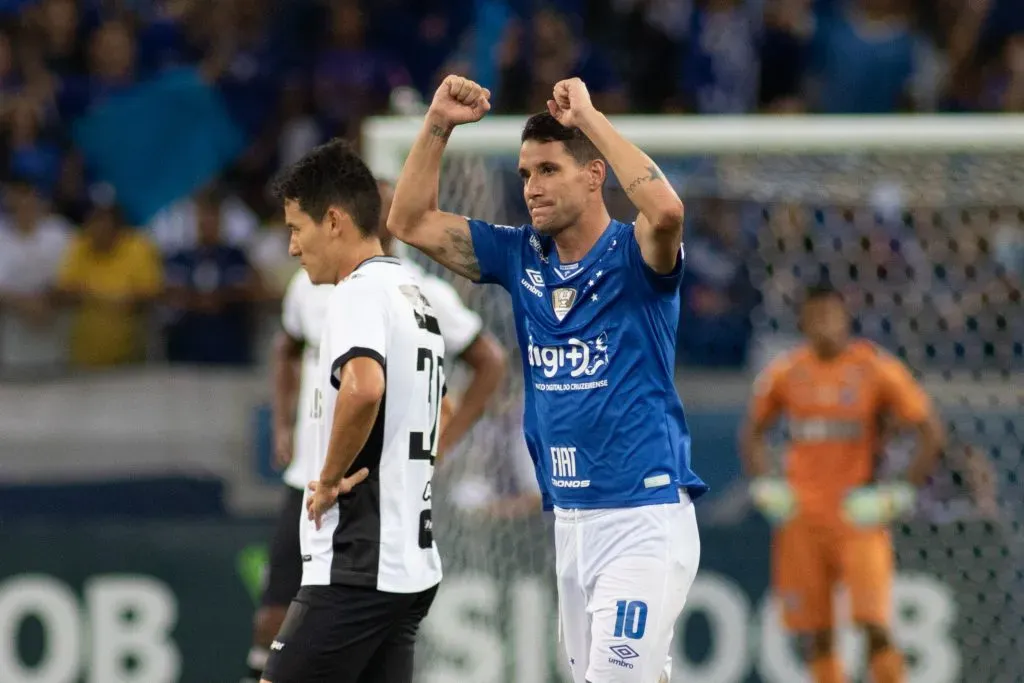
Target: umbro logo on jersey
[(535, 277), (530, 287)]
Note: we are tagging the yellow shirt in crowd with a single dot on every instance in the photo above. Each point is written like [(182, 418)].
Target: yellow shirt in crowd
[(107, 328)]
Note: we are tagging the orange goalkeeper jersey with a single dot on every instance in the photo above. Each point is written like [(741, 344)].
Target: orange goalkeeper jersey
[(834, 411)]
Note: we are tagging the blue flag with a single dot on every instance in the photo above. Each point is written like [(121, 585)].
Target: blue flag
[(159, 142)]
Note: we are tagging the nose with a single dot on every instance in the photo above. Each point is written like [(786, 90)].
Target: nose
[(533, 188), (293, 247)]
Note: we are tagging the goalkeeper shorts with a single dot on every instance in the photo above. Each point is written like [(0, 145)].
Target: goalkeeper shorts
[(623, 577)]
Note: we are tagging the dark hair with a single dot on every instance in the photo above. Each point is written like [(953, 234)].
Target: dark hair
[(332, 175), (544, 127), (820, 291)]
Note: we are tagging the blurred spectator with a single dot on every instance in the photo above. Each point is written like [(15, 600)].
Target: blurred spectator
[(32, 244), (721, 63), (557, 53), (300, 130), (112, 70), (109, 276), (717, 295), (210, 289), (661, 26), (176, 228), (352, 79), (867, 58)]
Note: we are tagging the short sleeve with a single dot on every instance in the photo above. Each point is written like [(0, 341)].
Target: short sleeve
[(901, 392), (291, 305), (497, 247), (459, 325), (768, 398), (667, 284), (356, 326)]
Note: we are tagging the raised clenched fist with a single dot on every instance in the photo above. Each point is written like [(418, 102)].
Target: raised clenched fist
[(459, 100), (570, 102)]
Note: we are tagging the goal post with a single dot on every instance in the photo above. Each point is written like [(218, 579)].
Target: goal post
[(919, 221), (386, 140)]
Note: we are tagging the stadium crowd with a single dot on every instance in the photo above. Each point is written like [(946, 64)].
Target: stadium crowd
[(178, 261)]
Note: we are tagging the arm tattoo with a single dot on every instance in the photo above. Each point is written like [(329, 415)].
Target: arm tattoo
[(459, 253), (441, 132), (654, 174)]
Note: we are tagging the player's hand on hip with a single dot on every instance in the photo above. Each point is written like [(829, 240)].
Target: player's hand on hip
[(324, 496), (774, 498), (878, 505), (459, 100), (570, 102)]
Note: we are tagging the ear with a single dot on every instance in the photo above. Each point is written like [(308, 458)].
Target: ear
[(597, 172), (335, 220)]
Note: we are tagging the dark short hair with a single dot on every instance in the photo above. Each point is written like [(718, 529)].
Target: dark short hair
[(821, 291), (332, 175), (543, 127)]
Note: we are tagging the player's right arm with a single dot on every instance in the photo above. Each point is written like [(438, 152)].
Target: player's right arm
[(765, 408), (287, 371), (770, 494), (415, 217)]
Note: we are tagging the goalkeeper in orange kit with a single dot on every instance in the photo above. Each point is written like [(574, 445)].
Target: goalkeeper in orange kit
[(830, 514)]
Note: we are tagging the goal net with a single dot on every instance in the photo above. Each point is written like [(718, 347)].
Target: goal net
[(920, 223)]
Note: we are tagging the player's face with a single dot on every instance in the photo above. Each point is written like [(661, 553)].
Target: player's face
[(555, 187), (309, 243), (826, 324)]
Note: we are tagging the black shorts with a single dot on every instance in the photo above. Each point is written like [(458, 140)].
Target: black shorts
[(348, 634), (284, 574)]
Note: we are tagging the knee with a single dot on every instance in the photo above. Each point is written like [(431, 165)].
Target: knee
[(878, 637), (816, 645)]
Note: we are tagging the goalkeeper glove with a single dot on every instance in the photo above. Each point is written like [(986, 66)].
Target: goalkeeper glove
[(774, 498), (880, 504)]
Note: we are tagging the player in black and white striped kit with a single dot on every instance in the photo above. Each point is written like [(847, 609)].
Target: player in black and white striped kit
[(370, 564), (296, 356)]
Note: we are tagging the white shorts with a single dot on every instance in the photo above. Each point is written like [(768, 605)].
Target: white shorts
[(623, 576)]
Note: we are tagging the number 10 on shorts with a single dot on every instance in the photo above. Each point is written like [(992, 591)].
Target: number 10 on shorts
[(630, 619)]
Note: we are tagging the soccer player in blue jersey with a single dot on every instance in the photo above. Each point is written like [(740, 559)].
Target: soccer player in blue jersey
[(596, 304)]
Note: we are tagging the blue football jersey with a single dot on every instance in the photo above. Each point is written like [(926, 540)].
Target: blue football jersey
[(603, 422)]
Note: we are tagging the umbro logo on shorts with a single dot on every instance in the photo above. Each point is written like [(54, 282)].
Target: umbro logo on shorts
[(277, 645), (624, 651)]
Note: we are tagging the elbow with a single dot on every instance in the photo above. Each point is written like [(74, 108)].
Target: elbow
[(669, 218), (287, 348), (487, 357), (936, 433), (497, 358), (402, 223), (398, 225)]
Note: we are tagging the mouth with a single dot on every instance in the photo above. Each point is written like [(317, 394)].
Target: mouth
[(541, 209)]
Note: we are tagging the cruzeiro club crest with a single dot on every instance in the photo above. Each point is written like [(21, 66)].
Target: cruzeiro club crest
[(562, 300)]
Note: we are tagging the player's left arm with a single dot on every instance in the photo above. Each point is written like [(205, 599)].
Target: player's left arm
[(466, 339), (360, 392), (486, 358), (908, 402), (659, 225), (356, 336)]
